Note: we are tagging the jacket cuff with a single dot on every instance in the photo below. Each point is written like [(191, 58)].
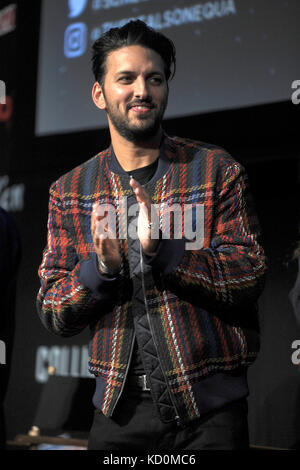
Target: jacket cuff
[(102, 287), (168, 255)]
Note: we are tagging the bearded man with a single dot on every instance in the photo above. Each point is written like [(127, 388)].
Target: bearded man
[(171, 304)]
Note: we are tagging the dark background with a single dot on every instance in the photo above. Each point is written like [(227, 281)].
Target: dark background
[(265, 139)]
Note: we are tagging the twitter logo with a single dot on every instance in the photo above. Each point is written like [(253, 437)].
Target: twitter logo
[(76, 7)]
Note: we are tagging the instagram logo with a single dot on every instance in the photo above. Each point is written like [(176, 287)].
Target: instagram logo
[(75, 40)]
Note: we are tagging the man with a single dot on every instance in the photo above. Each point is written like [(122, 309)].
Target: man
[(10, 253), (173, 320)]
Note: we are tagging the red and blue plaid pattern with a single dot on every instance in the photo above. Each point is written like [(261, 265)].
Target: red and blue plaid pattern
[(203, 314)]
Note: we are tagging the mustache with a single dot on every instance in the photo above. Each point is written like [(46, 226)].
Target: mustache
[(147, 103)]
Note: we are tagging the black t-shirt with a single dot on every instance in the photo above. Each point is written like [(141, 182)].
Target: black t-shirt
[(142, 176)]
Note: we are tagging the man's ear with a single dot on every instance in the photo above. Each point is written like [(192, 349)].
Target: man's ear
[(98, 96)]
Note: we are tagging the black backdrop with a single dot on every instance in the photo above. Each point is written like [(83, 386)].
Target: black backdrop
[(262, 138)]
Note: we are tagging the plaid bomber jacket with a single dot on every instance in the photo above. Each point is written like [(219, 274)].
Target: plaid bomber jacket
[(200, 303)]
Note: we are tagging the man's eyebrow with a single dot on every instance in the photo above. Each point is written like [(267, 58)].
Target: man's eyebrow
[(125, 71), (132, 72)]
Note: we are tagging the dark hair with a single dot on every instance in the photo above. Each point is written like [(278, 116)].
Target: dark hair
[(132, 33)]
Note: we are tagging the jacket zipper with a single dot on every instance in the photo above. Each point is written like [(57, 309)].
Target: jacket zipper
[(177, 417), (125, 376)]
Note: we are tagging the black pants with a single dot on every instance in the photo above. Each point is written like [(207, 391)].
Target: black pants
[(135, 426)]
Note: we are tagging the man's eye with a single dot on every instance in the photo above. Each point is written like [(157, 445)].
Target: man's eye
[(156, 80), (125, 78)]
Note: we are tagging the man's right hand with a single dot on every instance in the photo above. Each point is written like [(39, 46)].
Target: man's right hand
[(106, 245)]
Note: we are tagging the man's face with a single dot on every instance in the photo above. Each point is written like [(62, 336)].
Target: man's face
[(135, 92)]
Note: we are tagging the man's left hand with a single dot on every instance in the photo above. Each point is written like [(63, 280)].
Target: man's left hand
[(149, 245)]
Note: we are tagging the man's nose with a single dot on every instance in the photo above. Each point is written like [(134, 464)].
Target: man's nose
[(141, 90)]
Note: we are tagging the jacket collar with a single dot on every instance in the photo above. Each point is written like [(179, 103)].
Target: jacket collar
[(162, 167)]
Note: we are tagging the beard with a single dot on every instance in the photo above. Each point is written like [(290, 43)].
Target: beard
[(144, 128)]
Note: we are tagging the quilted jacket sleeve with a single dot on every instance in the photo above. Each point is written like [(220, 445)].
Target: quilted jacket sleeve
[(230, 269), (65, 305)]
